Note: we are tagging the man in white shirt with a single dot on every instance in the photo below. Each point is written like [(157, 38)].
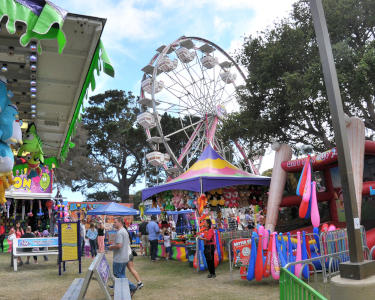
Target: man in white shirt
[(121, 252)]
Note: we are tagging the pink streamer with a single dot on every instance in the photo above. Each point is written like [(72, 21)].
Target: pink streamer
[(307, 190), (297, 269), (315, 217), (266, 237), (275, 264)]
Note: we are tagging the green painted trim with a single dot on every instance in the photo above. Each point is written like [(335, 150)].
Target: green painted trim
[(37, 27), (291, 287), (99, 56), (107, 66)]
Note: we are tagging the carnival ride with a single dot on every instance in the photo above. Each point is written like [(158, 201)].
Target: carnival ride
[(194, 81)]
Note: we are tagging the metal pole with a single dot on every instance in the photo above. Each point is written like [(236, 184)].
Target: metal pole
[(353, 269)]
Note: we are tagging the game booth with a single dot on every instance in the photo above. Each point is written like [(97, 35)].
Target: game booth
[(48, 58), (105, 212), (29, 201), (213, 188)]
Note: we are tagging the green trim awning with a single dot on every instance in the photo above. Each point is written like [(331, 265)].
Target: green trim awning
[(80, 53), (99, 57), (46, 25)]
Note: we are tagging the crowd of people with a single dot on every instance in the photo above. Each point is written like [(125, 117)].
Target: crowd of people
[(150, 233), (18, 232)]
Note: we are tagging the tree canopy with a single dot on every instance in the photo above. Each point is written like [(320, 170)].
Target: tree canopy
[(110, 148), (284, 98)]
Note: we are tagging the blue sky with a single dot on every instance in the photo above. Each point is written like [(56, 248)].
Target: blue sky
[(135, 28)]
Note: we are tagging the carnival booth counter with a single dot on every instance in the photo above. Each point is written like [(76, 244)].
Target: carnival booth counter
[(29, 202)]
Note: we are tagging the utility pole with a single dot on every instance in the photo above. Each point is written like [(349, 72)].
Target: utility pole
[(357, 268)]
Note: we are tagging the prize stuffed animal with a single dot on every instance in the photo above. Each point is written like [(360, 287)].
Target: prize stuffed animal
[(201, 203)]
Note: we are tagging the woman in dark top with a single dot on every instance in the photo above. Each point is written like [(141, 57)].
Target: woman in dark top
[(209, 247), (2, 235), (101, 233)]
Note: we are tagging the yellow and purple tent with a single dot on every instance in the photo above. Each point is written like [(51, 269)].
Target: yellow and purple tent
[(210, 172)]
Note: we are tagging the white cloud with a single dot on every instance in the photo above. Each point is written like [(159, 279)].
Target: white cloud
[(265, 14), (220, 24)]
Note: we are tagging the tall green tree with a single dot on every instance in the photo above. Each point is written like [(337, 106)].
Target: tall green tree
[(109, 153), (111, 149), (284, 97)]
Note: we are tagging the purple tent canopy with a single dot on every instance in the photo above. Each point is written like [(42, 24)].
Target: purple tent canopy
[(210, 172)]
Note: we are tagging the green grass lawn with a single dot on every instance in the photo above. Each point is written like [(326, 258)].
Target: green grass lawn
[(162, 280)]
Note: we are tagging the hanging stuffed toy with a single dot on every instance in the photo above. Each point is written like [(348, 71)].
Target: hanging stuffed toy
[(30, 213), (201, 203), (175, 199), (8, 203), (10, 129), (227, 196), (32, 143), (180, 200), (40, 213), (6, 167), (33, 165), (49, 205), (191, 200), (23, 210)]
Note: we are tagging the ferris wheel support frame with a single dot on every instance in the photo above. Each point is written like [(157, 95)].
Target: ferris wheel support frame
[(188, 144), (212, 130)]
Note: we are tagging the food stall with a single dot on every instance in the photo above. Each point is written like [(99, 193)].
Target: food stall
[(85, 207)]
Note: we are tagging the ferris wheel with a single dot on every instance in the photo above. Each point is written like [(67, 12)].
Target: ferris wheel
[(194, 81)]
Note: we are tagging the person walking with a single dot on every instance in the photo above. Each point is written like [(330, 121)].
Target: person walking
[(153, 234), (101, 234), (82, 231), (209, 247), (144, 238), (130, 264), (121, 252), (92, 234)]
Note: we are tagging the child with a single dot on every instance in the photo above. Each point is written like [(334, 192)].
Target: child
[(11, 237), (167, 245), (174, 233)]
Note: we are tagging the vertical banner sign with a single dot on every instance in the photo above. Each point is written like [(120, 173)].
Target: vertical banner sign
[(69, 241), (241, 252)]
